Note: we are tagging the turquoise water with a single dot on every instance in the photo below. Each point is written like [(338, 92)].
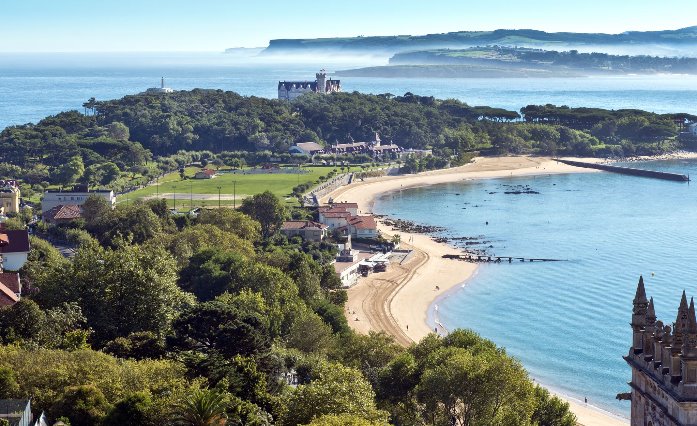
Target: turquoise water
[(35, 85), (566, 321)]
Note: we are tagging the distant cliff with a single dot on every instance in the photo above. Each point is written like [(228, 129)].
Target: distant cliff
[(680, 41)]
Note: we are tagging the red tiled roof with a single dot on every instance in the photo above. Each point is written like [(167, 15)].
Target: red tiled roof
[(363, 222), (207, 172), (302, 224), (18, 242), (336, 214), (11, 281), (7, 297), (64, 212)]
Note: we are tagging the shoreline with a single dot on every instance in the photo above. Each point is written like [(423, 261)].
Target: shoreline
[(399, 302)]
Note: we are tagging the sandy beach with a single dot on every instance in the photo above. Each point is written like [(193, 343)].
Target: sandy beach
[(397, 301)]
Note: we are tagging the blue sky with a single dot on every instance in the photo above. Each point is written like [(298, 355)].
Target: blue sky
[(213, 25)]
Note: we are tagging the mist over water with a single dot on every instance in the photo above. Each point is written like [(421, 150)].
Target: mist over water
[(33, 86), (566, 321)]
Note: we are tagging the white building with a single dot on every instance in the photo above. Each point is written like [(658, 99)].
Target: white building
[(14, 249), (289, 90), (306, 148), (161, 89), (693, 128), (77, 196)]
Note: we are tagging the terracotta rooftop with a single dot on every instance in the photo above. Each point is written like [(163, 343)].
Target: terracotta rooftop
[(7, 297), (18, 241), (363, 222), (303, 224), (11, 281), (333, 214), (64, 212)]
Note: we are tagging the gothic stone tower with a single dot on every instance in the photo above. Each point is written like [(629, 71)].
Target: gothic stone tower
[(664, 365), (321, 81)]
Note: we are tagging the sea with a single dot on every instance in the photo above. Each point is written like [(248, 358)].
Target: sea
[(566, 321)]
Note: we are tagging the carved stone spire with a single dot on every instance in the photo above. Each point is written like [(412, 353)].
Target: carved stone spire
[(680, 327), (639, 317), (651, 313), (689, 347), (650, 333), (640, 296)]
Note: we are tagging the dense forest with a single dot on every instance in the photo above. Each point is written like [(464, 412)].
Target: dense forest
[(222, 320), (148, 134), (526, 58)]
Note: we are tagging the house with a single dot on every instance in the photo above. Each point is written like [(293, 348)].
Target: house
[(363, 227), (10, 288), (205, 174), (693, 128), (307, 229), (77, 196), (289, 90), (63, 213), (334, 218), (344, 216), (306, 148), (14, 248), (16, 411), (9, 196)]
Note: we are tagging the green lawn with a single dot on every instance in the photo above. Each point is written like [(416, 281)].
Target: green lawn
[(204, 192)]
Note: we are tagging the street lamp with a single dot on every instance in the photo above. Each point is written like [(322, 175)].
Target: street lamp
[(174, 187), (218, 195), (234, 194), (191, 195)]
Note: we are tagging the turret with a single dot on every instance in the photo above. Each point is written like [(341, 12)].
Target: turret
[(666, 346), (658, 346), (689, 352), (321, 81), (162, 83), (681, 320), (679, 331), (639, 317), (649, 332)]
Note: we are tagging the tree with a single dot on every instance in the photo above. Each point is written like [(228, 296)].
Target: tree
[(71, 171), (230, 220), (265, 208), (211, 272), (84, 405), (118, 131), (21, 321), (344, 420), (204, 407), (338, 390), (310, 334), (110, 172), (550, 410), (119, 291), (9, 388), (471, 388), (217, 328), (134, 409)]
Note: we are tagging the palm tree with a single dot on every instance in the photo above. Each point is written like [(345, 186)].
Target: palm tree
[(205, 407)]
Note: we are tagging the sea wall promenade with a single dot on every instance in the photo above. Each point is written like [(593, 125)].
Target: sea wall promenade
[(627, 170)]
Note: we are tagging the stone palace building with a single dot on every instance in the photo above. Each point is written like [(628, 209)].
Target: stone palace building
[(663, 358)]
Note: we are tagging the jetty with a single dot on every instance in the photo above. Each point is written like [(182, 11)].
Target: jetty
[(627, 170), (496, 259)]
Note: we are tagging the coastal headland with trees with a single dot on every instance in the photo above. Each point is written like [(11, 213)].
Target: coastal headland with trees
[(174, 319)]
